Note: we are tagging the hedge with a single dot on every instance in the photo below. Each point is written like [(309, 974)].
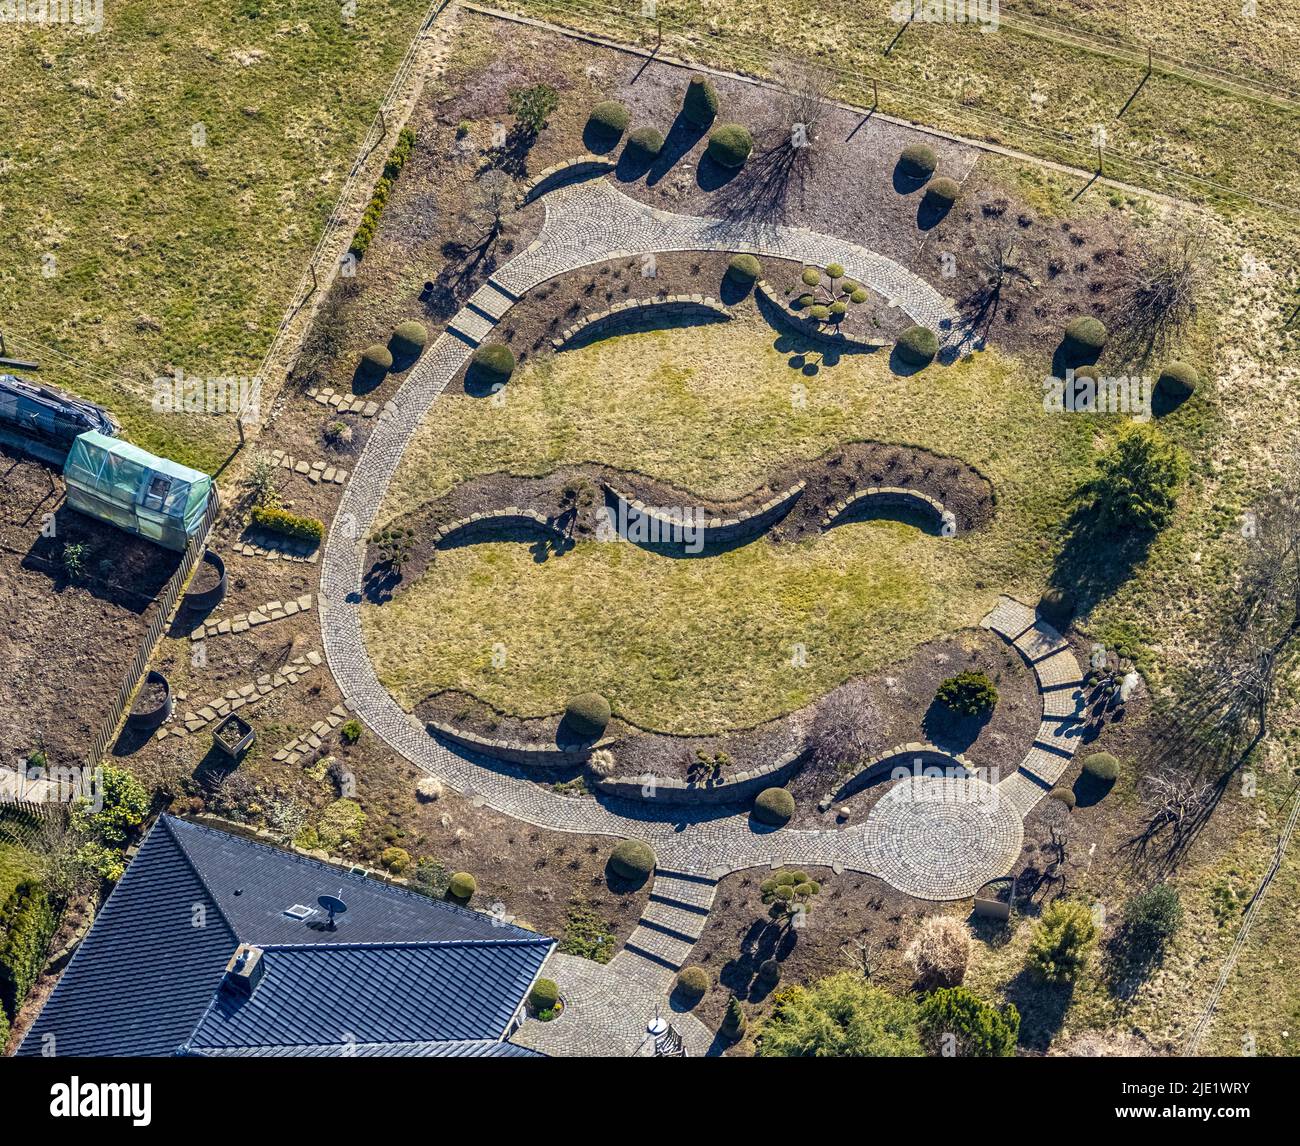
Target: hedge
[(494, 362), (1177, 380), (609, 117), (462, 886), (287, 524), (646, 140), (694, 981), (744, 268), (942, 192), (730, 145), (774, 806), (374, 211), (28, 922), (544, 995), (701, 103), (587, 715), (917, 345), (400, 154), (1101, 766), (918, 160), (633, 859)]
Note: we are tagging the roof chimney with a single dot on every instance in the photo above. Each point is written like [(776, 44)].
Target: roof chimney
[(244, 971)]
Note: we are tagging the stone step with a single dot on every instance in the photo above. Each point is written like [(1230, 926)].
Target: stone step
[(1057, 669), (671, 932), (1045, 767), (1022, 792), (684, 918), (1040, 640), (679, 891), (1009, 618), (1063, 703), (659, 948), (491, 301), (648, 973), (471, 325)]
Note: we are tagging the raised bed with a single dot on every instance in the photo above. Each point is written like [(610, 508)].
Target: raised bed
[(149, 711), (204, 600), (233, 736)]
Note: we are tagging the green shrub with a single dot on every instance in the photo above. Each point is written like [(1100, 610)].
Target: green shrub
[(365, 233), (1101, 766), (646, 141), (843, 1016), (609, 118), (1057, 606), (1151, 918), (350, 732), (744, 268), (1137, 481), (408, 340), (376, 361), (544, 995), (532, 107), (978, 1029), (493, 363), (1061, 941), (693, 982), (811, 276), (124, 802), (286, 524), (774, 806), (701, 103), (632, 859), (968, 694), (942, 193), (1065, 796), (730, 144), (4, 1029), (918, 161), (396, 860), (587, 715), (1177, 381), (1085, 337), (917, 345), (769, 972), (27, 923), (734, 1022), (400, 154), (462, 886)]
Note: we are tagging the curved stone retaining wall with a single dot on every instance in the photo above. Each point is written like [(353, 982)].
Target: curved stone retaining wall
[(902, 756), (634, 314), (513, 751), (496, 519), (715, 530), (565, 172), (893, 495), (737, 789), (810, 327)]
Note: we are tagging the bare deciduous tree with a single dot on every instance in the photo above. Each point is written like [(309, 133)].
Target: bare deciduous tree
[(842, 731), (1160, 296)]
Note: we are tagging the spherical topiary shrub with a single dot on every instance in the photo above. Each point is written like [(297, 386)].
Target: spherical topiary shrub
[(769, 972), (730, 145), (917, 161), (587, 715), (1064, 796), (544, 995), (645, 142), (693, 982), (396, 860), (942, 193), (774, 806), (744, 268), (376, 361), (1177, 381), (1085, 337), (1101, 766), (700, 106), (428, 789), (493, 363), (632, 859), (609, 118), (1057, 606), (408, 340), (462, 886), (917, 345)]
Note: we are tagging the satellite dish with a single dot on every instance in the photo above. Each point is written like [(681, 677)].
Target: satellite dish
[(334, 905)]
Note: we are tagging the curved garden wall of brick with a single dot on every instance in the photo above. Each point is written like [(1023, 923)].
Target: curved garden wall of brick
[(809, 327), (715, 530), (514, 751), (567, 172), (638, 314), (902, 756), (892, 495), (737, 789), (510, 517)]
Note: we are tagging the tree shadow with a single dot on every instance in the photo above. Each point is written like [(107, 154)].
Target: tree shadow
[(1042, 1008), (681, 138), (732, 293), (1094, 562), (381, 582)]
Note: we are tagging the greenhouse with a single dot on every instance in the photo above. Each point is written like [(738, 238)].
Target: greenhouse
[(126, 486)]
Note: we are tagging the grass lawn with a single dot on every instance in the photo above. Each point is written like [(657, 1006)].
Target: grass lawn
[(703, 645), (132, 251)]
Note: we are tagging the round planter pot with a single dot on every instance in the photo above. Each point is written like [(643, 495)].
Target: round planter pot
[(153, 717), (208, 599)]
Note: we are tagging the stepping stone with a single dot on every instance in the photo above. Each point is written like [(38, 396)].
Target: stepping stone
[(248, 690), (239, 627), (314, 657), (302, 468), (304, 602)]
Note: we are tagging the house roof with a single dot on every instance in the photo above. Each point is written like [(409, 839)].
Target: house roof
[(399, 974)]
